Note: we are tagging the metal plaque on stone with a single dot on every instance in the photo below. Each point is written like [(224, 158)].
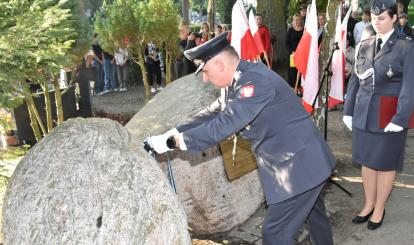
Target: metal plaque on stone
[(238, 157)]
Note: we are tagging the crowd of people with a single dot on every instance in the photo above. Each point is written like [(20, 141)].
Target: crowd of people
[(357, 23)]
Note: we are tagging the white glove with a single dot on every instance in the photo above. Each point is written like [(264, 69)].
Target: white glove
[(171, 132), (348, 122), (391, 127), (159, 143)]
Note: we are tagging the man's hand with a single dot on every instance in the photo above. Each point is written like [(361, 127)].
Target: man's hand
[(159, 143), (348, 122), (391, 127)]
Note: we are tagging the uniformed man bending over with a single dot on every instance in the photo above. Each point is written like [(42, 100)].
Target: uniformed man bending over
[(293, 159)]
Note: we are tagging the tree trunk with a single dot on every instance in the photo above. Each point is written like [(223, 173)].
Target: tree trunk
[(327, 45), (58, 101), (168, 56), (141, 63), (186, 7), (32, 114), (228, 7), (48, 104), (274, 14), (211, 15)]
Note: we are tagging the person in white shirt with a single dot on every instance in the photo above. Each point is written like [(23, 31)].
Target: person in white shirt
[(360, 26), (121, 58)]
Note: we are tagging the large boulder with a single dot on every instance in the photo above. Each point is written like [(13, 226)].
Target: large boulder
[(90, 182), (213, 204)]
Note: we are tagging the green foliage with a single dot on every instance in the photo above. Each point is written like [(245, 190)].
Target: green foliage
[(36, 39), (294, 6), (118, 20), (225, 7), (162, 28)]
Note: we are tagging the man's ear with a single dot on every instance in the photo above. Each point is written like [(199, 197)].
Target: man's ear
[(221, 64)]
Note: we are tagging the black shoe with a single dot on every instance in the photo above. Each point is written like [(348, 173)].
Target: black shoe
[(361, 219), (372, 225)]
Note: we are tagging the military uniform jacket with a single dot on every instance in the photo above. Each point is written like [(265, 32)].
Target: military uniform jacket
[(259, 105), (393, 75)]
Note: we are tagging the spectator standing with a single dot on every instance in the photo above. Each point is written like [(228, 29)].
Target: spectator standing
[(121, 58), (182, 65), (352, 21), (349, 62), (403, 25), (265, 36), (321, 27), (109, 70), (303, 10), (218, 30), (205, 32), (293, 37), (360, 26), (97, 62), (153, 65)]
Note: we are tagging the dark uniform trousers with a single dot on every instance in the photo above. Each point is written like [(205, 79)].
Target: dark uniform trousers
[(293, 159), (284, 219)]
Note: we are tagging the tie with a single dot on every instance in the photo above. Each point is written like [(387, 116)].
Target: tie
[(378, 48)]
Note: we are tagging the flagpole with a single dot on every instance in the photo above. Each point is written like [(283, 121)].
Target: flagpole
[(325, 74)]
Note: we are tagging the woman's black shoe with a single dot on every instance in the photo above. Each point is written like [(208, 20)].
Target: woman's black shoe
[(372, 225), (361, 219)]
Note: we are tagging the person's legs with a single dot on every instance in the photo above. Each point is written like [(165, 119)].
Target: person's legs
[(384, 186), (369, 181), (150, 72), (107, 74), (319, 225), (114, 86), (98, 80), (284, 219), (120, 76), (157, 67), (125, 76)]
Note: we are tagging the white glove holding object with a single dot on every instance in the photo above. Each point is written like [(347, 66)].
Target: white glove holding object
[(159, 143), (391, 127), (348, 122)]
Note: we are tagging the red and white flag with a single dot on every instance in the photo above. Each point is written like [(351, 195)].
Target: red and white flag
[(241, 37), (306, 58), (254, 29), (336, 94)]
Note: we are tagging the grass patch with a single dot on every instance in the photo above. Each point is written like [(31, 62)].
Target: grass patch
[(13, 152)]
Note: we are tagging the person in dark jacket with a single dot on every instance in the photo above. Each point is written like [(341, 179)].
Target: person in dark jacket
[(403, 25), (293, 37), (294, 161), (383, 73), (182, 65)]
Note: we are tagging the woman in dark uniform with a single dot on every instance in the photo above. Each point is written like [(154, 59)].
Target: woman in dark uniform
[(383, 72)]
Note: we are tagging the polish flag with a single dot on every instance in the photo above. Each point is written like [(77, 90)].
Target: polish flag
[(254, 29), (241, 37), (336, 94), (306, 58)]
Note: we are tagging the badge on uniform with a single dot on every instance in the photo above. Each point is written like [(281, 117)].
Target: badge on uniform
[(389, 72), (247, 91)]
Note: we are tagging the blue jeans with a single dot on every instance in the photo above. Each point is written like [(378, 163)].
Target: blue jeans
[(110, 80), (99, 76)]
